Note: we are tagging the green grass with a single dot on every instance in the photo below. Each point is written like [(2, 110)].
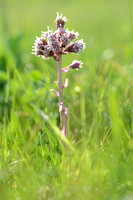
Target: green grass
[(97, 162)]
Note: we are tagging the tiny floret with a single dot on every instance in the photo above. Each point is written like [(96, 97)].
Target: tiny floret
[(47, 34), (52, 37), (60, 21), (55, 45), (76, 64), (81, 45), (47, 52), (39, 47), (65, 40), (73, 35), (75, 47)]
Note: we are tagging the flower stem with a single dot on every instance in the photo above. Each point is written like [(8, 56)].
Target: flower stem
[(60, 82), (62, 109), (60, 87)]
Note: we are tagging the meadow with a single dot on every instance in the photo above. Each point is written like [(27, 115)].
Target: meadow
[(97, 161)]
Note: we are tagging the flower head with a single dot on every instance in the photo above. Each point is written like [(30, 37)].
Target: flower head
[(55, 44), (58, 42)]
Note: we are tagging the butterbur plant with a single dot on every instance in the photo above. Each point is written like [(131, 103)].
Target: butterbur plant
[(55, 44)]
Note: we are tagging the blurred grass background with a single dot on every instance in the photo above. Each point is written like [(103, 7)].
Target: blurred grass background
[(99, 96)]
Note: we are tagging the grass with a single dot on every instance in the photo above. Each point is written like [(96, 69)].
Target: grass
[(97, 162)]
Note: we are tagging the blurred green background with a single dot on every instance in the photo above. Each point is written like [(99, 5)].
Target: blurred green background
[(106, 29), (99, 97), (104, 25)]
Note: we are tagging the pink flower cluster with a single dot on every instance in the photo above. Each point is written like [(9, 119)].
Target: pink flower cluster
[(52, 44)]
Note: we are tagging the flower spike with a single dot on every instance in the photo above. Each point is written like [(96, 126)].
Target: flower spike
[(55, 44)]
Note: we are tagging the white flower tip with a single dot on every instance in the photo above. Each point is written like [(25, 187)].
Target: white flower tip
[(45, 58), (81, 41), (77, 61), (60, 17), (76, 65)]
